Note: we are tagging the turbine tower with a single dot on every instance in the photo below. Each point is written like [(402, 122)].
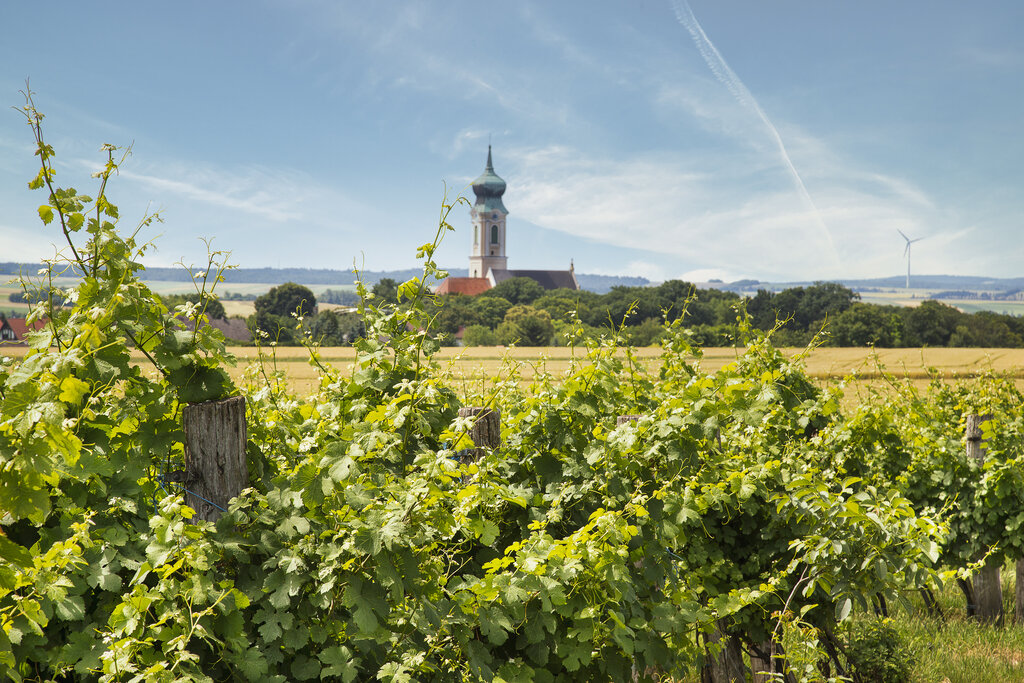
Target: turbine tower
[(906, 252)]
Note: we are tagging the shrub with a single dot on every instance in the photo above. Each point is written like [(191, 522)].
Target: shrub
[(877, 653), (479, 335)]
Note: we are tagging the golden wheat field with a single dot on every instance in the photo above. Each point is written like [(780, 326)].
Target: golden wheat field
[(474, 368)]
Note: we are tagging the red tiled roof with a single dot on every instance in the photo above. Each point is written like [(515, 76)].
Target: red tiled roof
[(470, 286), (21, 328)]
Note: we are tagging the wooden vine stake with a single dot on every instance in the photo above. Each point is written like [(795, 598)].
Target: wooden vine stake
[(988, 591), (1018, 612), (725, 659), (761, 666), (215, 465), (485, 432)]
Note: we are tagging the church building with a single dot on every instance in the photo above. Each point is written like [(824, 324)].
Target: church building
[(488, 262)]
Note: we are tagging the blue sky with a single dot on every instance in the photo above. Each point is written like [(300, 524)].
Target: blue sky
[(664, 138)]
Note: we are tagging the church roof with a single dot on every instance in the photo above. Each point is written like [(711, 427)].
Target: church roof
[(470, 286), (489, 188), (548, 279)]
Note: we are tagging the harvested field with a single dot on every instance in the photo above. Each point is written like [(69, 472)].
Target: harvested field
[(476, 367)]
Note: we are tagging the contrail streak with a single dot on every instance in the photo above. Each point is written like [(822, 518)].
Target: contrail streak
[(727, 77)]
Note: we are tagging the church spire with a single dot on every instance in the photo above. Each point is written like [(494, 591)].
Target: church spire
[(489, 188), (488, 214)]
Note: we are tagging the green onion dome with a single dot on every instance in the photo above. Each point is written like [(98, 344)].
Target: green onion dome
[(489, 188)]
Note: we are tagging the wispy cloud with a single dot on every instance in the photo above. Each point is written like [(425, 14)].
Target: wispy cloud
[(425, 50), (247, 209), (999, 59), (684, 214), (722, 71), (253, 192)]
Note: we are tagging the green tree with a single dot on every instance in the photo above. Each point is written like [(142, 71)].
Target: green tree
[(986, 329), (710, 307), (823, 300), (625, 306), (865, 325), (805, 308), (647, 333), (286, 300), (331, 328), (561, 303), (931, 324), (518, 290), (386, 290), (759, 307), (479, 335), (274, 319), (490, 310), (457, 311), (526, 326), (278, 329)]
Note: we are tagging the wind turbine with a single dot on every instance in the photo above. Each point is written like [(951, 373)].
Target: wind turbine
[(906, 252)]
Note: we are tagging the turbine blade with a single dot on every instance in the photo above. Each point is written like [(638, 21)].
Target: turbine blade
[(901, 233)]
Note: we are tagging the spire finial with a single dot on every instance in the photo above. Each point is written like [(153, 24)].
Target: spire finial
[(490, 165)]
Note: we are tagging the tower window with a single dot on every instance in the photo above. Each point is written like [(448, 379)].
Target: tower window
[(494, 234)]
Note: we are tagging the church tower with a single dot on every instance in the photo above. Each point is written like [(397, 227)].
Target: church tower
[(488, 215)]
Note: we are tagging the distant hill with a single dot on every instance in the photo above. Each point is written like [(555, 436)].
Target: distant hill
[(325, 276), (969, 282), (600, 284), (897, 282)]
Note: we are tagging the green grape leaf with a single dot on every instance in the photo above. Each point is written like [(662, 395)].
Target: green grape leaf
[(14, 553)]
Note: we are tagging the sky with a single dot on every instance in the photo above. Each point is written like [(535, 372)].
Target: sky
[(698, 139)]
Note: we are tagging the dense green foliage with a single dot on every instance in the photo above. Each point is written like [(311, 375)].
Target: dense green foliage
[(878, 653), (742, 501), (826, 312)]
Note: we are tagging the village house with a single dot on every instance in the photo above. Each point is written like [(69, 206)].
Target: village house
[(13, 330)]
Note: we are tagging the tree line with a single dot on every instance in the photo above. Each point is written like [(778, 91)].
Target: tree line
[(520, 311)]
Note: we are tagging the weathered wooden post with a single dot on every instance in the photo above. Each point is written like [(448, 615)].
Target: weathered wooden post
[(988, 591), (761, 664), (215, 465), (727, 665), (623, 419), (1018, 603), (485, 432)]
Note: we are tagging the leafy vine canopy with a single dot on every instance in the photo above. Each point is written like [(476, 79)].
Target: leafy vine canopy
[(582, 547)]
